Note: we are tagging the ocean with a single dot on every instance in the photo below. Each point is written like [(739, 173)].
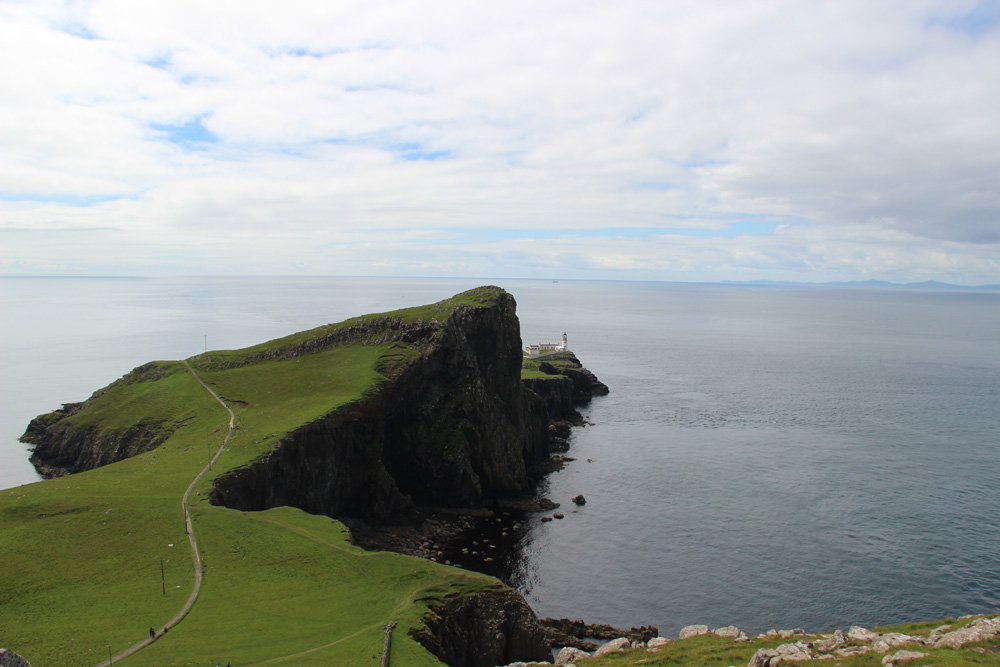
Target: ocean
[(769, 457)]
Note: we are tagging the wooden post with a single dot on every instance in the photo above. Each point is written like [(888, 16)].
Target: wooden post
[(163, 577)]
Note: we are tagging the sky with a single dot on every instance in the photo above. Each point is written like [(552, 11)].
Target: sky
[(702, 140)]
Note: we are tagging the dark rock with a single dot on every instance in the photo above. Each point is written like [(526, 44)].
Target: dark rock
[(546, 518), (558, 515), (564, 628), (454, 429), (580, 500), (493, 627), (546, 504)]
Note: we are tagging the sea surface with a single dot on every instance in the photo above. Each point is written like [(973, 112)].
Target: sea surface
[(769, 457)]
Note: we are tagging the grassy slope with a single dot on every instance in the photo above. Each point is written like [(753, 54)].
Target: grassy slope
[(80, 555), (712, 651)]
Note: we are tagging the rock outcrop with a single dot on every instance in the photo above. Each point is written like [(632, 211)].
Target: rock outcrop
[(493, 627), (578, 634), (859, 640), (11, 659)]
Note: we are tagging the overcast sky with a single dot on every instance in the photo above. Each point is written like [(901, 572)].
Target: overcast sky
[(660, 140)]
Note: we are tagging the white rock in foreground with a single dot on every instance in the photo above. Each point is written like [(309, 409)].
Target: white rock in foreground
[(902, 655), (728, 631), (693, 631), (570, 655), (977, 631), (613, 646), (859, 634)]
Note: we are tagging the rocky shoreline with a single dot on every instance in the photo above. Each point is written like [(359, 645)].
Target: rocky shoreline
[(895, 648)]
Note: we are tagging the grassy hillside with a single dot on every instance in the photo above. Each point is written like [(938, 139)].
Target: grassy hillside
[(80, 556)]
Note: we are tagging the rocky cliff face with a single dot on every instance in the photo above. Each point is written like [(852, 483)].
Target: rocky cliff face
[(455, 427), (62, 450), (493, 627)]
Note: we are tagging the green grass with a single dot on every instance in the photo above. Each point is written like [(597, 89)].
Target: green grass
[(560, 361), (80, 555)]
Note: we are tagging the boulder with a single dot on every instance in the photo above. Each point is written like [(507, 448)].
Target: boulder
[(797, 652), (848, 651), (763, 658), (10, 659), (613, 646), (859, 634), (547, 504), (580, 500), (937, 633), (570, 655), (979, 630), (693, 631), (901, 656), (728, 631), (657, 641), (894, 639), (831, 643), (558, 515)]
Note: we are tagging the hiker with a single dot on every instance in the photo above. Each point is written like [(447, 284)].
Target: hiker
[(152, 633)]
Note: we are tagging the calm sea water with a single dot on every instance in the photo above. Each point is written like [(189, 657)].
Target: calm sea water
[(768, 457)]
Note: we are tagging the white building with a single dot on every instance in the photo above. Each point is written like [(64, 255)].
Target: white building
[(540, 348)]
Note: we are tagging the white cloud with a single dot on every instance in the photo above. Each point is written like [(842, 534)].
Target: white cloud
[(376, 137)]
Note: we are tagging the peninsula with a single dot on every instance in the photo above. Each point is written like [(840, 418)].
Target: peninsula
[(379, 420)]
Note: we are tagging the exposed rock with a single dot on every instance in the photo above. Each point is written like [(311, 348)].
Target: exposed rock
[(10, 659), (559, 630), (901, 656), (657, 641), (894, 639), (492, 627), (693, 631), (832, 643), (848, 651), (763, 658), (785, 634), (613, 646), (546, 504), (558, 515), (580, 500), (859, 634), (569, 655), (546, 518), (979, 630), (937, 633), (728, 631), (795, 652)]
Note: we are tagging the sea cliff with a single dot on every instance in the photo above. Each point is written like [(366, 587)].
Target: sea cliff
[(451, 423)]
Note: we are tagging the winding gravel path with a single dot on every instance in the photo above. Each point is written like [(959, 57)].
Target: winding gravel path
[(191, 537)]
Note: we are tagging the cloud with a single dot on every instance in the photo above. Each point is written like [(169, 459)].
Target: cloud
[(848, 139)]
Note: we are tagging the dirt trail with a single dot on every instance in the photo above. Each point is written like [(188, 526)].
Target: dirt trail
[(191, 537)]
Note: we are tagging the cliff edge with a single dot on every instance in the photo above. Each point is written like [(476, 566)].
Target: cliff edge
[(440, 418)]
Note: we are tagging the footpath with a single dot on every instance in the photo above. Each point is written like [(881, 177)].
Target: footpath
[(191, 538)]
